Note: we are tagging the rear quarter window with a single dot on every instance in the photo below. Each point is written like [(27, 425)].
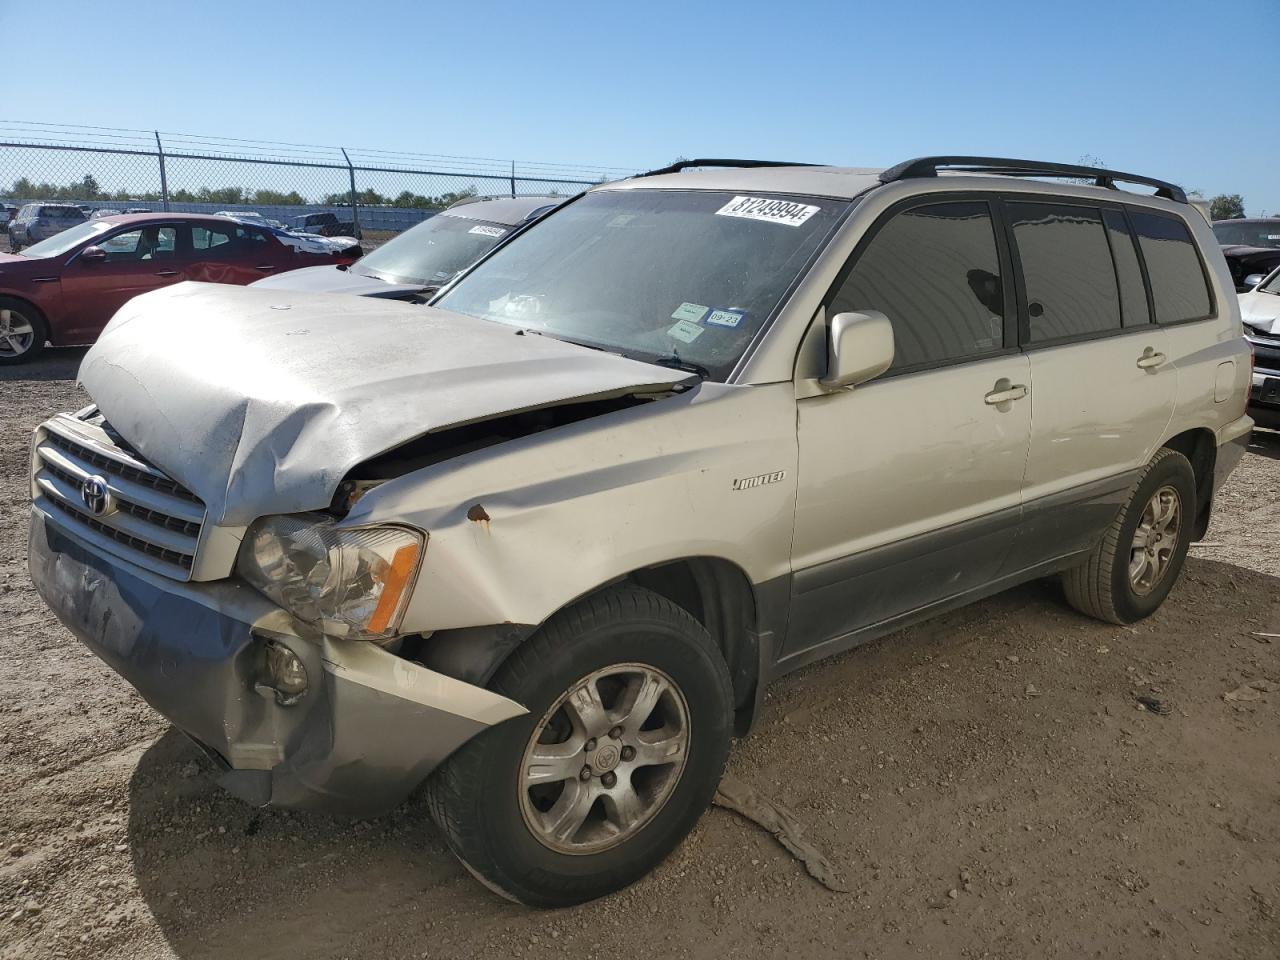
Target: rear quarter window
[(1179, 288)]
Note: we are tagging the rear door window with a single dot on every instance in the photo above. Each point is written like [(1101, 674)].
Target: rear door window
[(1178, 285), (1070, 280)]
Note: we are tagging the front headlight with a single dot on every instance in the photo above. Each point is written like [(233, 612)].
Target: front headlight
[(352, 583)]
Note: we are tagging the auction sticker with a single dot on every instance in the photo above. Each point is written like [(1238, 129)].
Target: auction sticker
[(483, 231), (690, 311), (685, 331), (726, 318), (771, 211)]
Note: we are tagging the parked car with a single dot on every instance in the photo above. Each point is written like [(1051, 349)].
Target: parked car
[(1260, 311), (689, 432), (103, 212), (65, 289), (7, 212), (243, 215), (40, 221), (1248, 265), (1248, 232), (325, 224), (138, 210), (425, 257)]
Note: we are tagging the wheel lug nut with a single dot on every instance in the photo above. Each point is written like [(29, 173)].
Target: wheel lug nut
[(628, 753), (591, 745), (616, 733), (584, 773), (609, 779)]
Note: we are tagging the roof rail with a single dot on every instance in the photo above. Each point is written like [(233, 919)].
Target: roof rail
[(928, 167), (686, 164)]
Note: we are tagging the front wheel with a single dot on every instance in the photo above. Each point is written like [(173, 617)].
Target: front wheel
[(1137, 562), (628, 730), (22, 331)]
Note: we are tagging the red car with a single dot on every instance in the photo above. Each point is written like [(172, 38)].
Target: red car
[(64, 290)]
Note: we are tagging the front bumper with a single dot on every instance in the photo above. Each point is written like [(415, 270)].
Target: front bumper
[(368, 730)]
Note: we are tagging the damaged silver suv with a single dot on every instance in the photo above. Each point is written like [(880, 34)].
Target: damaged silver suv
[(540, 546)]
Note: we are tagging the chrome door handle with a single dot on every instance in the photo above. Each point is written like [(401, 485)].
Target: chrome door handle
[(1151, 359), (1005, 392), (166, 273), (265, 267)]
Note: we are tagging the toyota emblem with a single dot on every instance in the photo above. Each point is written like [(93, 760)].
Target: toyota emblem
[(95, 495)]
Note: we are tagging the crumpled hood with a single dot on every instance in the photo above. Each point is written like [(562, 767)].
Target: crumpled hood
[(328, 279), (261, 401), (1261, 311)]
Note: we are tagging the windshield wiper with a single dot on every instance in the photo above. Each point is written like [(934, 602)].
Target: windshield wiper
[(679, 363)]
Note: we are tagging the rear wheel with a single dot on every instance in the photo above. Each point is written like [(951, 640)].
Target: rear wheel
[(23, 331), (630, 717), (1138, 560)]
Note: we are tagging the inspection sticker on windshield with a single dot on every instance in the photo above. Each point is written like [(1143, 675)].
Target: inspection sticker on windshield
[(726, 318), (690, 311), (685, 331), (483, 231), (771, 211)]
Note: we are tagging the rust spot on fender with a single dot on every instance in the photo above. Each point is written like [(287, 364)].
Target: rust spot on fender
[(478, 514)]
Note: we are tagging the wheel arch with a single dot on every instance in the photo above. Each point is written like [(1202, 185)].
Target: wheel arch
[(1199, 446), (714, 591)]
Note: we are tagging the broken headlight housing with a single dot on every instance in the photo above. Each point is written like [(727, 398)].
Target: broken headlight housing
[(350, 582)]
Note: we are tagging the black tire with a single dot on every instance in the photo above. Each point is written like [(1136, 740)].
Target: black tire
[(1101, 587), (30, 315), (476, 797)]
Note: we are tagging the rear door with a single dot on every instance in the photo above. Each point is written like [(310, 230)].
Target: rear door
[(234, 253), (1103, 385), (138, 259)]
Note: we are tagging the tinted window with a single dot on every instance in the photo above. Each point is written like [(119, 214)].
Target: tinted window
[(1251, 233), (934, 271), (230, 241), (149, 243), (1066, 265), (1173, 266), (1133, 292)]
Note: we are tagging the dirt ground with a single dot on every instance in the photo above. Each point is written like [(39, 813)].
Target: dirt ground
[(986, 783)]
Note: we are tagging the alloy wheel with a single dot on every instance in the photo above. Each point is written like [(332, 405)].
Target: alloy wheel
[(17, 334), (604, 759), (1156, 540)]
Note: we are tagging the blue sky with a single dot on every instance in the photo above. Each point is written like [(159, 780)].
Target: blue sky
[(1179, 90)]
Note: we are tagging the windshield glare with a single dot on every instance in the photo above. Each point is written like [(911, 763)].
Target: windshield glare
[(1271, 284), (62, 242), (652, 274), (1248, 234), (433, 252)]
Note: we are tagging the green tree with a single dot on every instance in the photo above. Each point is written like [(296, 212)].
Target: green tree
[(1226, 206), (89, 188)]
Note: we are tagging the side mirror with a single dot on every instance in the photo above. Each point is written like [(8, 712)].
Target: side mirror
[(1253, 279), (93, 254), (859, 348)]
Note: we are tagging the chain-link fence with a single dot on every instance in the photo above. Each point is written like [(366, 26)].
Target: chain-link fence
[(379, 190)]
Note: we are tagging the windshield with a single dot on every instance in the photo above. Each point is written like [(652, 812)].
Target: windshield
[(691, 276), (1249, 234), (433, 252), (64, 241), (1271, 284)]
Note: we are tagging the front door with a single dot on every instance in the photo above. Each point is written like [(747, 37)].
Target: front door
[(137, 260), (910, 485)]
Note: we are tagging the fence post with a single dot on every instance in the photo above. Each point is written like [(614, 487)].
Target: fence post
[(513, 179), (164, 179), (355, 203)]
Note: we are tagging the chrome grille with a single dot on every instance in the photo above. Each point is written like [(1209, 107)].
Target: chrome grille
[(149, 520)]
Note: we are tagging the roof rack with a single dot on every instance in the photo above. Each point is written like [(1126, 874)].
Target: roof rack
[(928, 167), (686, 164)]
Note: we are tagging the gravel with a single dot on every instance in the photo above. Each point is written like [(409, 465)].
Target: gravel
[(987, 783)]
